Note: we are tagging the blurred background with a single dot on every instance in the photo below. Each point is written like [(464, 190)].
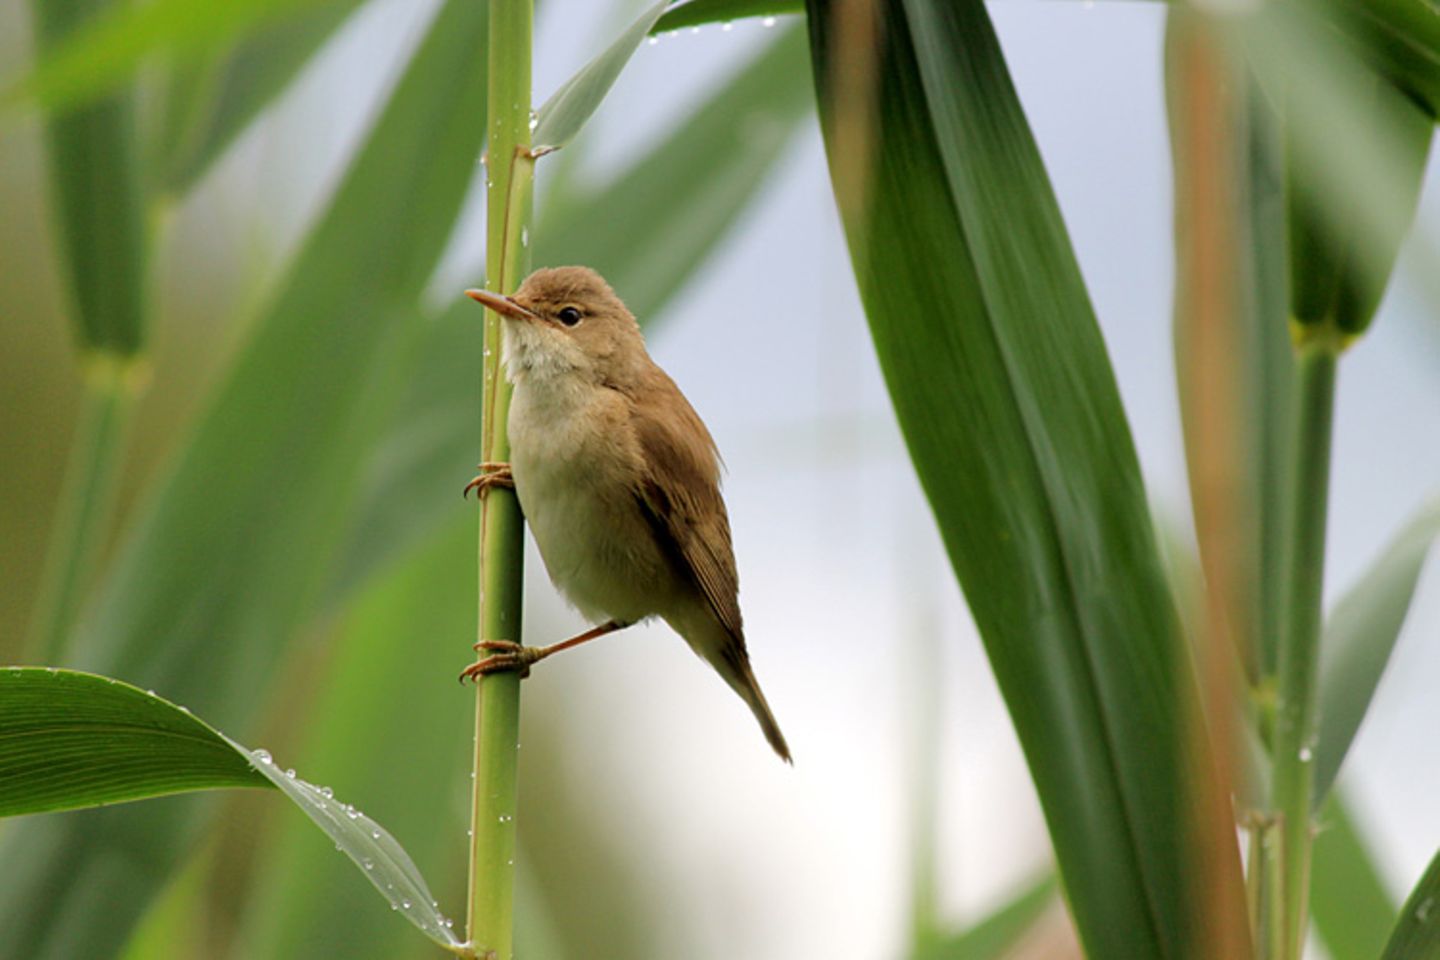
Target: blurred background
[(654, 820)]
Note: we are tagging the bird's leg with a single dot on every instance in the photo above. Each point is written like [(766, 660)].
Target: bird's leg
[(508, 655), (491, 475)]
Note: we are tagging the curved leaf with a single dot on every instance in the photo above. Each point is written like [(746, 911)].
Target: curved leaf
[(1417, 933), (1358, 640), (208, 103), (112, 47), (677, 202), (1002, 387), (71, 739), (1353, 911), (98, 196), (1400, 38), (996, 935), (378, 855), (695, 13), (562, 116)]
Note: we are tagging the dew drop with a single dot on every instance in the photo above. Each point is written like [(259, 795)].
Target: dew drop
[(263, 756), (367, 863), (151, 692), (534, 120), (524, 236), (405, 904), (768, 21), (290, 772), (327, 793), (652, 41), (374, 834), (694, 31), (1426, 908), (1306, 755)]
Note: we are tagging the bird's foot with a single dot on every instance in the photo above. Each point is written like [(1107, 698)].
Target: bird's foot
[(491, 475), (505, 656)]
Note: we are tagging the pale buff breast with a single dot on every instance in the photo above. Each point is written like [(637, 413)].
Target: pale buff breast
[(571, 479)]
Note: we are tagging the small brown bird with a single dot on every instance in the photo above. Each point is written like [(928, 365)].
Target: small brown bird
[(617, 477)]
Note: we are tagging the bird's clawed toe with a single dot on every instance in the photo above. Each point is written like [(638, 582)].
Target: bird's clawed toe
[(505, 656), (491, 475)]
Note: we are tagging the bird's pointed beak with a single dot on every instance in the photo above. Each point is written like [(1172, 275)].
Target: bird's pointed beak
[(504, 306)]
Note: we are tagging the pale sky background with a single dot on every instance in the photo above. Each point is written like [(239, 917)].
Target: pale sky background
[(841, 568)]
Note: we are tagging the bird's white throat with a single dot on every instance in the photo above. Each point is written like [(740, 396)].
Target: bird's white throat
[(532, 352)]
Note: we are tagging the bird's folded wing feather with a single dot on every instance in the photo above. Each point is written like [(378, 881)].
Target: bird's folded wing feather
[(681, 497)]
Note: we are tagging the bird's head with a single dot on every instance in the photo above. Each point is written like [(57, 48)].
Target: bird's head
[(566, 321)]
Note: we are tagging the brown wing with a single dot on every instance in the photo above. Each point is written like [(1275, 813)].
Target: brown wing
[(681, 497)]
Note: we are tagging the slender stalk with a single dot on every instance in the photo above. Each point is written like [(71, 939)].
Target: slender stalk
[(1292, 752), (510, 172), (87, 500)]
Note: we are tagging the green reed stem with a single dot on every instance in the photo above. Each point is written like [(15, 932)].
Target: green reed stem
[(1292, 752), (510, 174)]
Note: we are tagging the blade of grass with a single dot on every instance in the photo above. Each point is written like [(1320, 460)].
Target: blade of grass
[(236, 541), (1353, 911), (1359, 637), (1400, 38), (695, 13), (565, 113), (993, 936), (377, 854), (1351, 198), (1346, 264), (96, 188), (1417, 933), (74, 740), (208, 102), (111, 48), (98, 202), (1270, 372), (684, 195), (1002, 387)]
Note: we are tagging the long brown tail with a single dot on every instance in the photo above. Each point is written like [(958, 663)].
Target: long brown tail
[(725, 651), (749, 689)]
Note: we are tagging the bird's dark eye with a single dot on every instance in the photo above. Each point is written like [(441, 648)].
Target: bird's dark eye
[(569, 316)]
